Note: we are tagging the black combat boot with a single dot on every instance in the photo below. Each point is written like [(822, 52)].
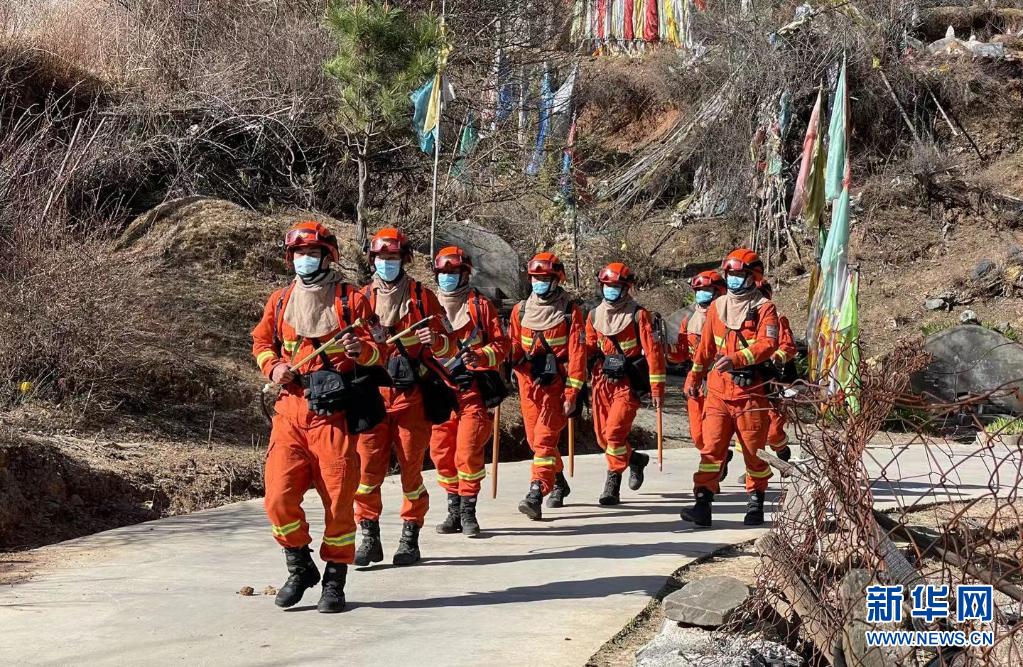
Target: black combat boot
[(699, 513), (612, 489), (754, 510), (303, 575), (452, 523), (370, 549), (559, 492), (332, 599), (637, 462), (784, 453), (408, 545), (724, 465), (470, 526), (530, 505)]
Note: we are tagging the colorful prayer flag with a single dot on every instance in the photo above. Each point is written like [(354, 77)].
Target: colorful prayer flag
[(838, 135)]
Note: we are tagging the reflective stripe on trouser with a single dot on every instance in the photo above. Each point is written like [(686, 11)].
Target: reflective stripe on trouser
[(544, 418), (614, 409), (457, 446), (318, 452), (406, 431), (747, 419), (776, 436)]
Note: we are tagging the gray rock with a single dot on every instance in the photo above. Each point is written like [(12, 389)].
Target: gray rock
[(970, 359), (676, 646), (1015, 254), (969, 317), (497, 267), (935, 304), (982, 268), (707, 602)]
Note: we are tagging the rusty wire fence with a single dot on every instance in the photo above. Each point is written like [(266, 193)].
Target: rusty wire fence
[(892, 496)]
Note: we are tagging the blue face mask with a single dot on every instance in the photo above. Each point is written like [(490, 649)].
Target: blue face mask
[(704, 296), (387, 269), (541, 287), (305, 265), (735, 283), (612, 293), (448, 282)]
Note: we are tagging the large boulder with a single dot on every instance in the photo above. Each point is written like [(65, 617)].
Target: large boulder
[(971, 359), (707, 602), (498, 268)]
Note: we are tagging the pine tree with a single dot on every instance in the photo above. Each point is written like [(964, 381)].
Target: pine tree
[(383, 54)]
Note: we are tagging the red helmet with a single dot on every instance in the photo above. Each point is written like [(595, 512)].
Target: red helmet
[(744, 259), (310, 234), (390, 239), (546, 264), (452, 259), (616, 273), (711, 280)]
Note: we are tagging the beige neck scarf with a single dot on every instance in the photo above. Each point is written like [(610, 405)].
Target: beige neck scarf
[(696, 321), (456, 306), (734, 308), (542, 314), (393, 300), (610, 319), (311, 308)]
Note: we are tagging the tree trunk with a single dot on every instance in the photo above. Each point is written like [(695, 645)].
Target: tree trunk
[(360, 218)]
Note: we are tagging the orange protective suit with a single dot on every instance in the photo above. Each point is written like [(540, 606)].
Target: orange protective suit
[(731, 409), (305, 447), (542, 406), (776, 436), (405, 430), (457, 446), (613, 402), (687, 339)]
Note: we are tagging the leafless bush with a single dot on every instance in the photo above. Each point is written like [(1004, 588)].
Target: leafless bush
[(862, 508)]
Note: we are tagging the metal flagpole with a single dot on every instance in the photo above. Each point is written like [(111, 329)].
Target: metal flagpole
[(436, 136)]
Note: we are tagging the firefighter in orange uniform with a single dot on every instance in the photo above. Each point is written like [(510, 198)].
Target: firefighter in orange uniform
[(707, 286), (398, 302), (311, 440), (628, 364), (549, 361), (457, 446), (777, 439), (740, 333)]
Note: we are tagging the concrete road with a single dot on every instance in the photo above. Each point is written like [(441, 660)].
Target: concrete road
[(536, 593)]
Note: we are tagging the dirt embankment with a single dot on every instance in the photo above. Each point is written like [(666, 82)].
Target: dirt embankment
[(57, 487)]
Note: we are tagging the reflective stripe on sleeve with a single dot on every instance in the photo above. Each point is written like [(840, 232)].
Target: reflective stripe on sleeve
[(264, 356)]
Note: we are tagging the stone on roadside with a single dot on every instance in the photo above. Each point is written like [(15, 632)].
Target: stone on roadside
[(708, 602), (934, 304), (969, 317), (981, 269)]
